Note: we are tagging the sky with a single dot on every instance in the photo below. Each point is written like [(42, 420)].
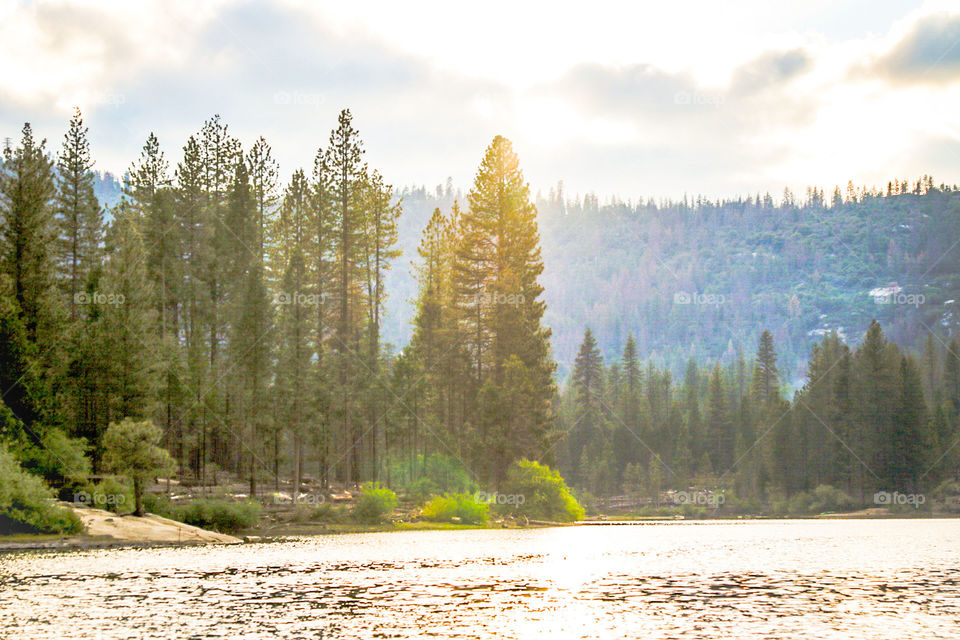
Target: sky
[(640, 99)]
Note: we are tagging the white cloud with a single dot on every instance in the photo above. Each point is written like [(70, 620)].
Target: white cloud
[(652, 99)]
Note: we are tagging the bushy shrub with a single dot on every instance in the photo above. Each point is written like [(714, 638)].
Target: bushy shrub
[(374, 503), (421, 489), (827, 498), (27, 499), (111, 493), (545, 494), (800, 504), (226, 516), (132, 448), (947, 488), (327, 512), (159, 504), (740, 506), (453, 507), (60, 459), (424, 476)]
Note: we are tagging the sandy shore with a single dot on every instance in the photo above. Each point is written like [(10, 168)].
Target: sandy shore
[(106, 529)]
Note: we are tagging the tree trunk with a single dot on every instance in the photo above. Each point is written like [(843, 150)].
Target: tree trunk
[(138, 496)]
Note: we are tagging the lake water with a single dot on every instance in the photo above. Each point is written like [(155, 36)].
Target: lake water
[(750, 579)]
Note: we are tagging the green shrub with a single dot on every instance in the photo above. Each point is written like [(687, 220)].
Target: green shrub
[(947, 488), (545, 494), (800, 504), (424, 476), (25, 498), (111, 493), (421, 489), (327, 512), (827, 498), (374, 503), (159, 504), (132, 448), (226, 516), (60, 459), (453, 507), (652, 511)]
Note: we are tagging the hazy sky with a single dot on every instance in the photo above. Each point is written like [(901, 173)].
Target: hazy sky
[(632, 98)]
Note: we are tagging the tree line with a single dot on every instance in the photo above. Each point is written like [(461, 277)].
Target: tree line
[(800, 265), (243, 316), (871, 418)]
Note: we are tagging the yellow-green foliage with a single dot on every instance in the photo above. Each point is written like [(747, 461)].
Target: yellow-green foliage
[(451, 507), (545, 494), (374, 503)]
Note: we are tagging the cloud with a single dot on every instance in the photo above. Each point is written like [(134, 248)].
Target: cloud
[(928, 53), (683, 111), (273, 70), (770, 70), (633, 91)]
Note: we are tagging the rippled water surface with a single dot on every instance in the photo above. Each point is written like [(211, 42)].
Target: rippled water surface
[(772, 579)]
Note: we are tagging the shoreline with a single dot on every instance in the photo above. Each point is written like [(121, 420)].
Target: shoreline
[(106, 530)]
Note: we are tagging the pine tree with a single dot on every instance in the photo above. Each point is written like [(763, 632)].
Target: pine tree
[(322, 258), (502, 242), (28, 233), (587, 434), (152, 205), (434, 342), (876, 371), (765, 375), (249, 320), (264, 180), (220, 154), (189, 199), (719, 428), (295, 318), (910, 435), (78, 212), (343, 160), (129, 320)]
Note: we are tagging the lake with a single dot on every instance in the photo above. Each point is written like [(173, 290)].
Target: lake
[(728, 579)]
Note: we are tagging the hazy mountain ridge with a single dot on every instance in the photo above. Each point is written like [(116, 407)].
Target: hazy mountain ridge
[(703, 279)]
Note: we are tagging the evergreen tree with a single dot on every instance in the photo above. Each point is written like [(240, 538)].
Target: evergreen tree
[(910, 434), (128, 320), (295, 318), (765, 374), (501, 233), (28, 233), (586, 438), (343, 160), (78, 212)]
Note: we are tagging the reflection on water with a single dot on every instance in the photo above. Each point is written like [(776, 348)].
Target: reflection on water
[(773, 579)]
